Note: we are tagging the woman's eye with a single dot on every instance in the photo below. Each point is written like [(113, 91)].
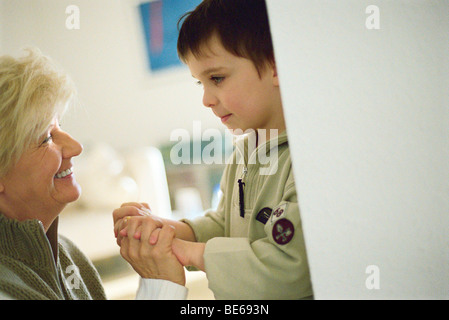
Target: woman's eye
[(47, 139)]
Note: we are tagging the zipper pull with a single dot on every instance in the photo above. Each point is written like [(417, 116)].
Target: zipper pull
[(241, 198), (241, 194)]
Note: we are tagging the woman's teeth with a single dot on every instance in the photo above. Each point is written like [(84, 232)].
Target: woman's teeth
[(64, 173)]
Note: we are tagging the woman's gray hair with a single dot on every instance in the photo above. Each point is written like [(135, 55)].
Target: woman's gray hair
[(33, 91)]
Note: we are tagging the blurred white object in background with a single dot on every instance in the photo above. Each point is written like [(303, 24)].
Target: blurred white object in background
[(147, 168), (188, 202), (109, 179), (104, 185)]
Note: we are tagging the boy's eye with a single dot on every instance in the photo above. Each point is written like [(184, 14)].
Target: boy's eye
[(199, 83), (217, 80)]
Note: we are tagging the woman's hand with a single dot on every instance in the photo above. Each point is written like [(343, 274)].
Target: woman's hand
[(153, 261)]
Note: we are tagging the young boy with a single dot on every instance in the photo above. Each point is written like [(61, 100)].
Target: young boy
[(252, 245)]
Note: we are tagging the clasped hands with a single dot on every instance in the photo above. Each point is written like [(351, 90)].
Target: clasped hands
[(156, 248)]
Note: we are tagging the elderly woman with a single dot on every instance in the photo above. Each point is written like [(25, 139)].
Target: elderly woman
[(37, 181)]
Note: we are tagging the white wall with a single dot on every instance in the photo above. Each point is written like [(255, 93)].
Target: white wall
[(368, 116), (124, 104)]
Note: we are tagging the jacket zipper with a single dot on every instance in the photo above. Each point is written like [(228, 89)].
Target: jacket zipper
[(240, 182), (241, 194)]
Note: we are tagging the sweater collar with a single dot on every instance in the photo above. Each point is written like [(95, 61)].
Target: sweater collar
[(27, 241)]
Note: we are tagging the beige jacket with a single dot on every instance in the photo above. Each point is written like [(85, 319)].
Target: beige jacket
[(255, 249)]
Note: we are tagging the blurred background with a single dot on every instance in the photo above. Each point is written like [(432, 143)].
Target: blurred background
[(133, 93)]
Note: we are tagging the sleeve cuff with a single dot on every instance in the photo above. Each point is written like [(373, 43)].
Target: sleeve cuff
[(158, 289)]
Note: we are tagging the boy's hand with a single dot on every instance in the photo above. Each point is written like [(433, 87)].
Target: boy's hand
[(132, 212)]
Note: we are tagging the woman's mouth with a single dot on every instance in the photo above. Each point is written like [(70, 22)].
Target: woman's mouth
[(63, 173)]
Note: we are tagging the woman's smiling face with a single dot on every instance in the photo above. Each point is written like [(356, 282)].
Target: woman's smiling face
[(42, 182)]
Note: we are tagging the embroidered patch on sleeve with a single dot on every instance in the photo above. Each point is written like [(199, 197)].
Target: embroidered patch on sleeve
[(283, 231), (278, 212)]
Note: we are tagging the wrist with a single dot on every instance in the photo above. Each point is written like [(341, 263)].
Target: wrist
[(197, 259), (189, 253), (184, 231)]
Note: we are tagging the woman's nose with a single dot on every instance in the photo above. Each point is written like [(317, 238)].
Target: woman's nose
[(71, 147)]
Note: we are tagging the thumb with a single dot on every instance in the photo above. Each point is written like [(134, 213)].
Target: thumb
[(166, 236)]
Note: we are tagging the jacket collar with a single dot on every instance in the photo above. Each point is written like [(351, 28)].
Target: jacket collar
[(246, 144), (27, 241)]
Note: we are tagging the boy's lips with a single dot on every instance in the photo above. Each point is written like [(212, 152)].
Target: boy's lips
[(225, 118)]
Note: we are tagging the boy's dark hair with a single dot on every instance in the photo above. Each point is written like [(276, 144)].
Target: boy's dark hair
[(241, 25)]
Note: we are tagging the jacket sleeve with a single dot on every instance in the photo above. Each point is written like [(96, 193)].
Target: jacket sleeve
[(272, 267), (208, 226)]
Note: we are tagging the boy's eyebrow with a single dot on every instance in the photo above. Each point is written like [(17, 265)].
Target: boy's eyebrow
[(210, 70)]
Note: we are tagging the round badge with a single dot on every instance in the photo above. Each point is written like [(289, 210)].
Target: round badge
[(283, 231)]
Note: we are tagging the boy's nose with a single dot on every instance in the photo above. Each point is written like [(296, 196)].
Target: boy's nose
[(209, 100)]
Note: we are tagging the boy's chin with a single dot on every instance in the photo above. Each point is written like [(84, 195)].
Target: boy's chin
[(239, 131)]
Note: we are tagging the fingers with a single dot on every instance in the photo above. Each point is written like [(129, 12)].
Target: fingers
[(147, 229), (154, 261), (122, 212), (130, 209), (165, 236), (154, 236), (135, 226), (149, 234), (143, 206), (136, 204), (119, 225)]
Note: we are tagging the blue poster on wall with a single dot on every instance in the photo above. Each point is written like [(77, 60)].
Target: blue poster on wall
[(160, 19)]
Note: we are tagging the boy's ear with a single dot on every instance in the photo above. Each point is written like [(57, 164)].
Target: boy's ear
[(275, 74)]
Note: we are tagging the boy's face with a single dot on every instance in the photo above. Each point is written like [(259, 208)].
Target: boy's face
[(234, 90)]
